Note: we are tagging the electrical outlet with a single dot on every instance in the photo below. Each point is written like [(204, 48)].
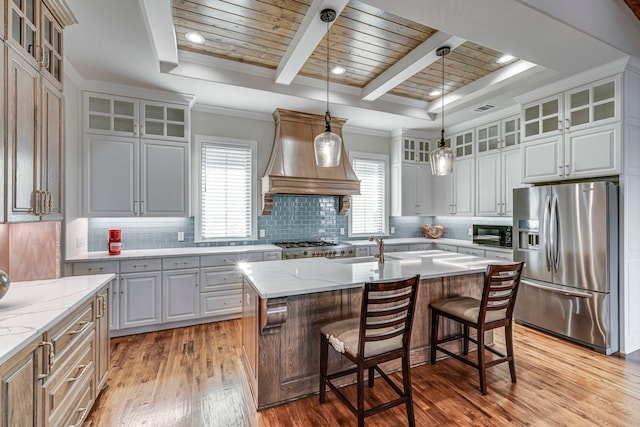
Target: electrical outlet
[(342, 231), (263, 233), (393, 230), (180, 236), (470, 231)]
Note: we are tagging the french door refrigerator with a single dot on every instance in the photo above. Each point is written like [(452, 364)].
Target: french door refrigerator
[(567, 235)]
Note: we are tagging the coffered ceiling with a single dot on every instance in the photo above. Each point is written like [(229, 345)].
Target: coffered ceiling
[(260, 55)]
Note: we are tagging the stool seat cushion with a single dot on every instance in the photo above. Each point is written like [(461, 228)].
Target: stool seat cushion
[(343, 336), (467, 308)]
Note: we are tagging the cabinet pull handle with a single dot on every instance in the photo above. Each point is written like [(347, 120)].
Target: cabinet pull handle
[(85, 324), (135, 129), (135, 206), (52, 354), (567, 170), (141, 207), (568, 126), (83, 370), (560, 125), (141, 130), (82, 411)]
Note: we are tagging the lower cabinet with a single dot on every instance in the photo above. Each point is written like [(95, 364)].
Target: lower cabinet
[(140, 299), (18, 391), (103, 325), (180, 295)]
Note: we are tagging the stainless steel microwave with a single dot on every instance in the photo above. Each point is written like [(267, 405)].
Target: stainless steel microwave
[(492, 235)]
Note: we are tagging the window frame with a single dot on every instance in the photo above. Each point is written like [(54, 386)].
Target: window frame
[(229, 142), (376, 157)]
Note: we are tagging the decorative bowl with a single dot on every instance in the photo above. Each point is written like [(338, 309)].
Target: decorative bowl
[(4, 283), (432, 231)]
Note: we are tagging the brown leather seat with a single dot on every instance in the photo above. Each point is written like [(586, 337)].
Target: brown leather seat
[(381, 333), (494, 310)]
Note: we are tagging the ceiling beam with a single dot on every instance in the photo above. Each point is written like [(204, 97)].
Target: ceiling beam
[(412, 63), (309, 34), (159, 19)]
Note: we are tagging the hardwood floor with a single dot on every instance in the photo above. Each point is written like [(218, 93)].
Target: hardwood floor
[(194, 377)]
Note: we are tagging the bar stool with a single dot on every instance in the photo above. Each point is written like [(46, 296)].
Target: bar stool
[(495, 310), (381, 333)]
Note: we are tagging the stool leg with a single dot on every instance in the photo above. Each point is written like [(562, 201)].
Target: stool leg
[(360, 389), (371, 374), (434, 335), (482, 369), (324, 354), (509, 342), (465, 339), (406, 380)]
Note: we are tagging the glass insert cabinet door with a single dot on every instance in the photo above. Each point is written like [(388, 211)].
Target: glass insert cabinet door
[(163, 120), (415, 150), (543, 118), (22, 26), (111, 115), (594, 104)]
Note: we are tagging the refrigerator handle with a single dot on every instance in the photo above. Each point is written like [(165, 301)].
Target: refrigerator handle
[(555, 219), (546, 233)]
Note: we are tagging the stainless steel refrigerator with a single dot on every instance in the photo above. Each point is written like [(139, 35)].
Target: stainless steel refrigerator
[(567, 235)]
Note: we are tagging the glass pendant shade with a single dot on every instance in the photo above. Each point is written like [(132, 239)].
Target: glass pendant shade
[(327, 146), (442, 159)]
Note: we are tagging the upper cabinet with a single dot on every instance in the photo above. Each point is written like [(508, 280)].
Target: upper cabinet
[(122, 116), (410, 174), (575, 134)]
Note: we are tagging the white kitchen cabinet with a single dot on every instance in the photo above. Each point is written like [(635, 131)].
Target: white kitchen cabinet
[(470, 251), (579, 137), (445, 247), (498, 255), (410, 174), (114, 115), (132, 177), (463, 144), (180, 295), (455, 194), (140, 299)]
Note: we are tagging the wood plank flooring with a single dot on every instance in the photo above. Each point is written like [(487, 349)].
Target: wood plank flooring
[(194, 377)]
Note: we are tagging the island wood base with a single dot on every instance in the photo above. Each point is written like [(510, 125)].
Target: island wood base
[(281, 343)]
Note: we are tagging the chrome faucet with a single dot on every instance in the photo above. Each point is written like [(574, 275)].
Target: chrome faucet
[(380, 254)]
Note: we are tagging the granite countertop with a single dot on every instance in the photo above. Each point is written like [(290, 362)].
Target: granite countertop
[(31, 308), (272, 279), (442, 240), (171, 252)]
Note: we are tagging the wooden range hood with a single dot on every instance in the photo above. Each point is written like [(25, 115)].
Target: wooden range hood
[(292, 167)]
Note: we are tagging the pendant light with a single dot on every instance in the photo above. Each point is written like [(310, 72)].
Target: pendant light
[(442, 157), (328, 145)]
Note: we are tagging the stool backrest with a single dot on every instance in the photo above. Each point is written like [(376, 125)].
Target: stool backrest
[(387, 311), (499, 292)]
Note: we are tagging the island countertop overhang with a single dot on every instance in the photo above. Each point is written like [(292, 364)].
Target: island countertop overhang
[(275, 279)]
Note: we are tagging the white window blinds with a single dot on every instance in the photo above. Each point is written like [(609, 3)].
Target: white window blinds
[(226, 191), (368, 211)]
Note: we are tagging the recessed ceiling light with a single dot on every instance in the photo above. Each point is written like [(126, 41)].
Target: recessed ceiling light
[(504, 59), (435, 93), (338, 70), (194, 37)]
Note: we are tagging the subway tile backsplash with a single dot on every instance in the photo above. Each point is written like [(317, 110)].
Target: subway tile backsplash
[(292, 218)]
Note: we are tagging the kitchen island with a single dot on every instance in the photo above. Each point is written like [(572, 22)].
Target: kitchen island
[(285, 303)]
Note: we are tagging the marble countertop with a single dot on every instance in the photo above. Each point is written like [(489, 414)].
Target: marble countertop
[(442, 240), (31, 308), (170, 252), (273, 279)]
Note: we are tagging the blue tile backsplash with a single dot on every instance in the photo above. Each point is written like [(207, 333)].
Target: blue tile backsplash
[(292, 218)]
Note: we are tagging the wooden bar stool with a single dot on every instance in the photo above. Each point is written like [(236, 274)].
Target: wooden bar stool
[(495, 310), (382, 333)]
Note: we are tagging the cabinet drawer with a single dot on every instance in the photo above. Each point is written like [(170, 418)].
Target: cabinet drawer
[(220, 278), (136, 265), (471, 251), (95, 267), (229, 259), (448, 248), (77, 411), (502, 256), (73, 372), (271, 256), (220, 303), (176, 263), (68, 333)]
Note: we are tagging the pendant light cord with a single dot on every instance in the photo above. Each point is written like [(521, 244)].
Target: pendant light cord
[(442, 104), (327, 116)]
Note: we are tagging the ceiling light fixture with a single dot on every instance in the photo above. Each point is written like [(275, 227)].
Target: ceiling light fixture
[(194, 37), (442, 158), (504, 59), (327, 145), (435, 92), (338, 70)]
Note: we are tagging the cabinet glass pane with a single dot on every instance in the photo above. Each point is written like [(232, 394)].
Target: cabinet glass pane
[(468, 138), (482, 146), (493, 144), (510, 140), (122, 125), (603, 111), (123, 108), (579, 117), (510, 126), (56, 40), (175, 114), (47, 30), (99, 105), (56, 68), (30, 10), (531, 113), (550, 107), (29, 40), (482, 134), (579, 99), (153, 112), (16, 24), (550, 124), (178, 131), (605, 91), (18, 3), (493, 131), (459, 152), (468, 150), (531, 129), (99, 122), (153, 128)]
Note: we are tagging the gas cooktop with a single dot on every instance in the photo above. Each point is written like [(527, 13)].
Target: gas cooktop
[(307, 249)]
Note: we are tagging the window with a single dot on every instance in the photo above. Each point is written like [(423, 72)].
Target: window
[(369, 209), (226, 189)]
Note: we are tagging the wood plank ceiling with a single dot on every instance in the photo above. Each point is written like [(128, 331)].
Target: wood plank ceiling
[(364, 40)]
